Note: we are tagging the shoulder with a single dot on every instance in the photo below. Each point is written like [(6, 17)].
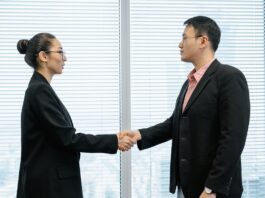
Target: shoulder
[(227, 72), (230, 76), (38, 83), (228, 69), (38, 89)]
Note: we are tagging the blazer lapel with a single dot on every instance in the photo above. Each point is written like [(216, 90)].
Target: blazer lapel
[(181, 98), (201, 85), (64, 110), (40, 79)]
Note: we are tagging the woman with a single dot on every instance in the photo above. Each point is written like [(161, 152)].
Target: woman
[(50, 147)]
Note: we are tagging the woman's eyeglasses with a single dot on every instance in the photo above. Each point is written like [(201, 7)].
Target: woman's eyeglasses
[(59, 52)]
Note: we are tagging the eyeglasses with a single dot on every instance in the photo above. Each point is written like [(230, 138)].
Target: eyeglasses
[(185, 38), (59, 52)]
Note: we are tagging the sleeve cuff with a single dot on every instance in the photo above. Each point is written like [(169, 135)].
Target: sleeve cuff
[(208, 190)]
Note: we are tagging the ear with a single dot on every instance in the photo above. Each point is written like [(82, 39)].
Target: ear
[(204, 41), (43, 56)]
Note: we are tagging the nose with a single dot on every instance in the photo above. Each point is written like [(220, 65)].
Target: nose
[(180, 44), (64, 58)]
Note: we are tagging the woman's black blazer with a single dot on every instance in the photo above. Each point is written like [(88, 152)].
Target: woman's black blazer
[(50, 148)]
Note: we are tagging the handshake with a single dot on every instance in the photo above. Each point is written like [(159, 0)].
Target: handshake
[(127, 138)]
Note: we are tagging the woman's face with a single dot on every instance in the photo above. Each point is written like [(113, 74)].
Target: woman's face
[(55, 58)]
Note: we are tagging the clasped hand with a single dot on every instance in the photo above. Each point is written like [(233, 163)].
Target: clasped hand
[(127, 138)]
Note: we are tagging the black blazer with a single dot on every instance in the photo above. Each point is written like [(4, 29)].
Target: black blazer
[(50, 147), (208, 136)]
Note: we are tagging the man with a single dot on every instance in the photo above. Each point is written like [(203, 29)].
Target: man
[(209, 124)]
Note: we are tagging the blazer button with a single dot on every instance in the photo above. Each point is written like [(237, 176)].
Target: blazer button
[(183, 160), (183, 139)]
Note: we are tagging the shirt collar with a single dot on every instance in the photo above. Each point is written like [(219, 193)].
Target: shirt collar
[(197, 75)]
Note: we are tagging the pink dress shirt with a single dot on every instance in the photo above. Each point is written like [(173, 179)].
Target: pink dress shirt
[(194, 77)]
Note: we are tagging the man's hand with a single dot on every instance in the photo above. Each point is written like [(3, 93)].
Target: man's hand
[(206, 195), (125, 142), (135, 135), (127, 139)]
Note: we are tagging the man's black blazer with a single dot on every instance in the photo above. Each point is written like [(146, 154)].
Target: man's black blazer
[(50, 147), (208, 136)]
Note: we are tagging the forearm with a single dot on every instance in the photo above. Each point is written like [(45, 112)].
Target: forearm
[(155, 135), (105, 143)]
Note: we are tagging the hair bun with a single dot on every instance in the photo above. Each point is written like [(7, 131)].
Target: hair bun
[(22, 46)]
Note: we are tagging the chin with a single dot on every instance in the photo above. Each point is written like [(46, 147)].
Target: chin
[(185, 59)]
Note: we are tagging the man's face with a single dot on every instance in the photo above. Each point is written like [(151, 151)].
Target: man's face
[(190, 45)]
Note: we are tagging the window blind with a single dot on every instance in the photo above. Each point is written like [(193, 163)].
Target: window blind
[(157, 75), (89, 85)]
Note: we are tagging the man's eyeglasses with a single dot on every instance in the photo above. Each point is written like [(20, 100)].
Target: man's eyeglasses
[(185, 37), (59, 52)]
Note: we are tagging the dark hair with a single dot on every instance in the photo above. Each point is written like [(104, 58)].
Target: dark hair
[(205, 25), (31, 48)]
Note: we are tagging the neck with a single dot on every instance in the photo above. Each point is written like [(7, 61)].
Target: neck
[(202, 61), (45, 73)]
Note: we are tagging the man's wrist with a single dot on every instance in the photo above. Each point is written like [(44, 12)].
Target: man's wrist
[(138, 134)]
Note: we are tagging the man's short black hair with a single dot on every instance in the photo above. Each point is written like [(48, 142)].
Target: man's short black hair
[(205, 25)]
